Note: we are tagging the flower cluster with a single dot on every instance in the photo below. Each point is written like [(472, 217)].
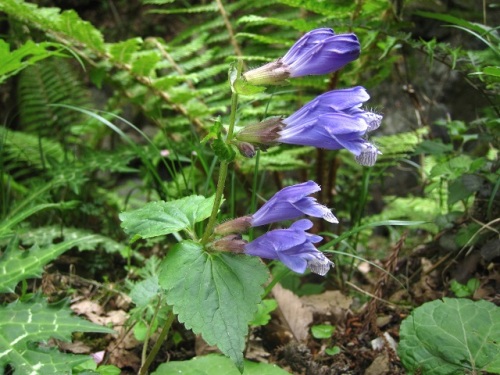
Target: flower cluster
[(293, 246), (334, 120)]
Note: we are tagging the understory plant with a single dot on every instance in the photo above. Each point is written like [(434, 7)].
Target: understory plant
[(225, 223), (214, 282)]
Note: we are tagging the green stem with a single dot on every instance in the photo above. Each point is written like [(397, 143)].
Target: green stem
[(221, 182), (158, 344), (218, 198), (150, 332)]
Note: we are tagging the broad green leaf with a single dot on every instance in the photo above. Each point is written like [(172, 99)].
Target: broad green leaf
[(333, 350), (263, 315), (451, 336), (17, 265), (161, 218), (215, 295), (215, 364), (322, 331), (23, 324), (144, 291)]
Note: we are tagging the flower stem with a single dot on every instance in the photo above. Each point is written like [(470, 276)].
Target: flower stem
[(221, 182), (158, 344)]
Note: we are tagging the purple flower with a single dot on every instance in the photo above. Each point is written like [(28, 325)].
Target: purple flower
[(333, 121), (293, 247), (318, 52), (291, 203)]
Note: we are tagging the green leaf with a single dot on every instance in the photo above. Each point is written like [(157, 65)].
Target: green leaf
[(322, 331), (263, 315), (242, 87), (492, 71), (123, 51), (214, 131), (22, 324), (451, 336), (215, 295), (11, 62), (144, 291), (223, 150), (161, 218), (215, 364), (17, 265), (433, 147), (333, 350), (462, 290), (145, 63)]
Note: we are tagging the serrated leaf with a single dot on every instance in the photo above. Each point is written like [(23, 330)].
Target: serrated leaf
[(144, 291), (223, 150), (145, 63), (11, 62), (215, 295), (242, 87), (216, 364), (123, 51), (214, 131), (263, 315), (161, 218), (17, 265), (22, 324), (451, 336), (46, 236)]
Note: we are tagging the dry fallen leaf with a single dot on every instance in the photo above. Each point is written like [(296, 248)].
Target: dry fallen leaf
[(332, 304), (296, 315)]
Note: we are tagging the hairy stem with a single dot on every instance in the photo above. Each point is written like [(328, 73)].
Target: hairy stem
[(158, 344), (221, 182)]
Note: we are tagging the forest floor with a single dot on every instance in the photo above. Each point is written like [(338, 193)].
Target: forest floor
[(366, 315)]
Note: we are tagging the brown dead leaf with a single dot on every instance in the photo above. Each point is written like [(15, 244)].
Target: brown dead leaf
[(331, 304), (87, 308), (202, 348), (77, 347), (121, 351), (295, 314), (379, 366)]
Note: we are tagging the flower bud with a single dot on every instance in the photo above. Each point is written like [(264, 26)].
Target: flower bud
[(262, 134), (232, 243), (238, 225), (246, 149)]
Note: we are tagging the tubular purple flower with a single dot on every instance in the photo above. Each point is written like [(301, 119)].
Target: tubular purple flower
[(293, 247), (290, 203), (334, 120), (319, 51)]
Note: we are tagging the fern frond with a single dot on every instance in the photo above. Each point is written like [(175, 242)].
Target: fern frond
[(278, 159), (52, 81)]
